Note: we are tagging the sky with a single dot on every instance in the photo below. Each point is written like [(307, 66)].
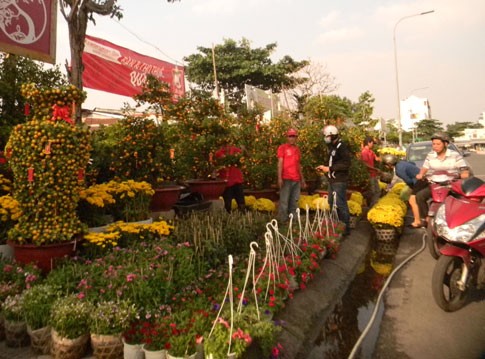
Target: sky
[(440, 56)]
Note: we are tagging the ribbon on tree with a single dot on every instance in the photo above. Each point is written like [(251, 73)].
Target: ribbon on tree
[(80, 174), (30, 174), (61, 113)]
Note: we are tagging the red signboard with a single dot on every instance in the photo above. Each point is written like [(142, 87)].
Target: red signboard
[(28, 28), (115, 69)]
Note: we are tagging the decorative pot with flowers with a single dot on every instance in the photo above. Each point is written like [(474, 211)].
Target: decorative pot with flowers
[(155, 338), (387, 216), (355, 210), (37, 304), (108, 321), (48, 156), (216, 344), (15, 326), (187, 327), (70, 319)]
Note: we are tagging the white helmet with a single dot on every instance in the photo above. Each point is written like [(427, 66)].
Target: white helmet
[(330, 130)]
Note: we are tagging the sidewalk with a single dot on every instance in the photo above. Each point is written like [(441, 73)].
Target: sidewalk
[(309, 308)]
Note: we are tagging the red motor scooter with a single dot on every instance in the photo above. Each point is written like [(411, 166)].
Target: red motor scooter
[(440, 189), (461, 223)]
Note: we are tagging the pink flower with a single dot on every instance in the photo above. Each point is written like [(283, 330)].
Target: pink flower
[(223, 322), (130, 277), (240, 334), (81, 295), (7, 268)]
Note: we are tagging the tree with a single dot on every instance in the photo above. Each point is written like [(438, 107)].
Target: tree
[(14, 71), (427, 127), (458, 128), (156, 94), (237, 64), (330, 108), (315, 81), (364, 108)]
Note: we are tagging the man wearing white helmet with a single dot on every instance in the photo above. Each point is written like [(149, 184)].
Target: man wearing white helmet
[(337, 170)]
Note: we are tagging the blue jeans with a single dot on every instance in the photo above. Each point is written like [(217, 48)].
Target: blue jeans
[(340, 188), (289, 196)]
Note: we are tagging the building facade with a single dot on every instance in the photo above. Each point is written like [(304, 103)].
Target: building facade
[(413, 110)]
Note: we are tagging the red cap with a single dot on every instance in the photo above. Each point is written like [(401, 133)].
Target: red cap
[(292, 132)]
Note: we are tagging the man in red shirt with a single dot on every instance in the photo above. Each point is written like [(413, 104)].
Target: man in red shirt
[(290, 176), (232, 173), (369, 158)]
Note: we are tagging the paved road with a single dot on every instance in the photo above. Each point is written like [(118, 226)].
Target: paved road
[(477, 161), (413, 326)]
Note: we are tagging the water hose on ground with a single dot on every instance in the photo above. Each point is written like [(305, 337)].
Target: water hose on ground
[(379, 298)]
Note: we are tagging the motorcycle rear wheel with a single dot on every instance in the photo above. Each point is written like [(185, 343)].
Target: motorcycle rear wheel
[(444, 284), (433, 243)]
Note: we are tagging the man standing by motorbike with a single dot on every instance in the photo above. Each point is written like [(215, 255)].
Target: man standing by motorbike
[(440, 159)]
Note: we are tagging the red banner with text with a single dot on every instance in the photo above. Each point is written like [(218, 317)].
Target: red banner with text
[(115, 69)]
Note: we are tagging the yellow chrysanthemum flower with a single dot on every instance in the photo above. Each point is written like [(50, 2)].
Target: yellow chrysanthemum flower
[(388, 211), (321, 203), (355, 209), (249, 200), (357, 197), (264, 205)]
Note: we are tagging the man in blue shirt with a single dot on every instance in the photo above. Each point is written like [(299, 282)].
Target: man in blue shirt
[(407, 171)]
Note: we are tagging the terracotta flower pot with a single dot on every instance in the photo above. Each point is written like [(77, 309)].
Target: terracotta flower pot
[(44, 256), (210, 189), (165, 197)]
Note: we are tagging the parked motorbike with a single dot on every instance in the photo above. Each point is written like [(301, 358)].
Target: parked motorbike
[(440, 185), (460, 221)]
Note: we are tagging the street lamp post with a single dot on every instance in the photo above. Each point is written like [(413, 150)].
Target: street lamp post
[(397, 75)]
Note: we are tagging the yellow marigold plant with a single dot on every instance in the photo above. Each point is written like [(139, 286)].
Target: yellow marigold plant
[(307, 200), (103, 240), (357, 197), (264, 205), (388, 212), (355, 209), (249, 200), (5, 185), (10, 212), (321, 203), (97, 195), (392, 151), (398, 188)]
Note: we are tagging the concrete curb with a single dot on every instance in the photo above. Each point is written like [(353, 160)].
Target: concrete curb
[(309, 308)]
